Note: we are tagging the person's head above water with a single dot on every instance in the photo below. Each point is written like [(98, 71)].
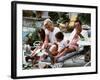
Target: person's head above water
[(48, 24)]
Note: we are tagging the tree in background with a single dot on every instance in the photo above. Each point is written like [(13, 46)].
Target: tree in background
[(85, 18)]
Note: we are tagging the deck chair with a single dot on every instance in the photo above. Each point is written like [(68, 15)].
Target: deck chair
[(60, 61), (70, 55)]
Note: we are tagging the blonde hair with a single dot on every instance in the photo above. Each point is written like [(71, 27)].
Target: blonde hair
[(47, 21)]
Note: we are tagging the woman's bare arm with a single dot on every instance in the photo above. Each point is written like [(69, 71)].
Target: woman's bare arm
[(45, 44)]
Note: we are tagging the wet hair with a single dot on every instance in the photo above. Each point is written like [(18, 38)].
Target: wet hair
[(42, 34), (59, 35)]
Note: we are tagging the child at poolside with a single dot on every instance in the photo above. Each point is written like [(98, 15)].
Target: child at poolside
[(59, 46), (38, 53)]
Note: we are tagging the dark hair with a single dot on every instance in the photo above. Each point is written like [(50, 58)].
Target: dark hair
[(59, 35), (42, 34), (78, 20), (67, 20)]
